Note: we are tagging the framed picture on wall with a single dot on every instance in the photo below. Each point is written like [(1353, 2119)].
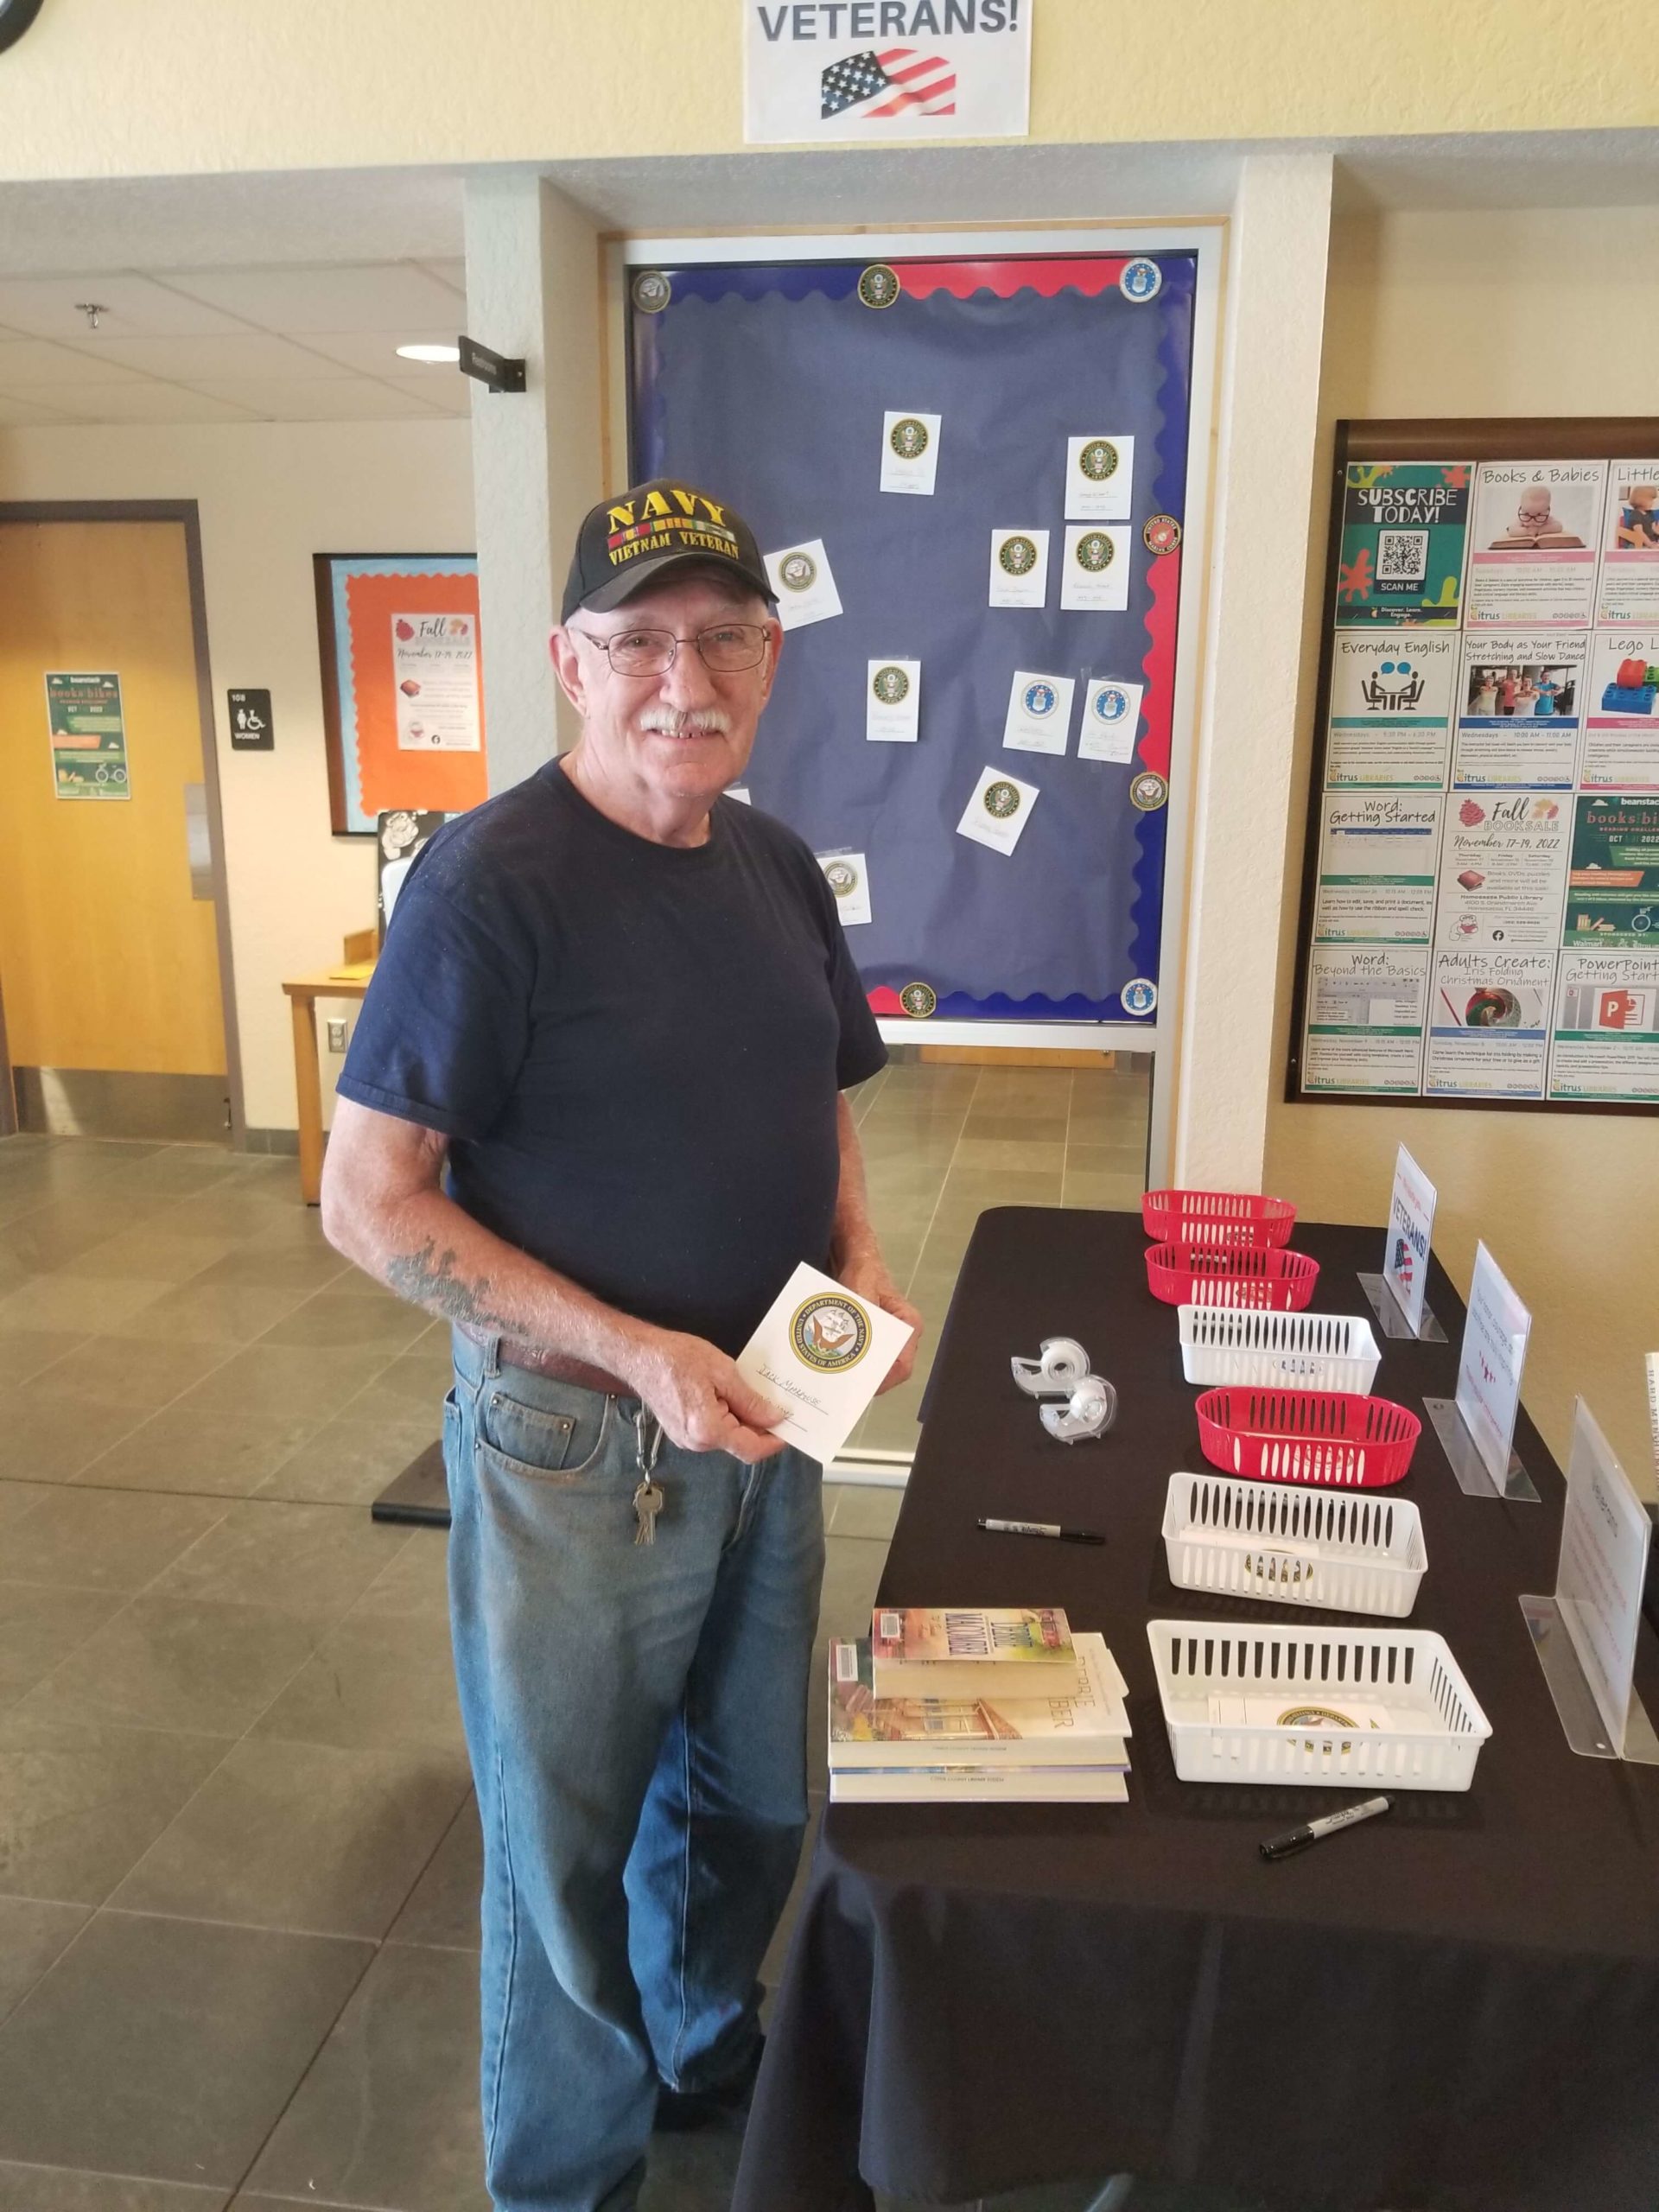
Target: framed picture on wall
[(402, 699)]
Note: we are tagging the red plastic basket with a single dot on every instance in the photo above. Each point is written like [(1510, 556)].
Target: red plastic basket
[(1183, 1276), (1232, 1219), (1331, 1437)]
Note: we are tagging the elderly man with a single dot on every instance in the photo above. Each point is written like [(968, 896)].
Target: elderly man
[(591, 1116)]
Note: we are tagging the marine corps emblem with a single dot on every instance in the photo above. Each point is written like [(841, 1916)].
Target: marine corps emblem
[(879, 285), (829, 1333), (1161, 533)]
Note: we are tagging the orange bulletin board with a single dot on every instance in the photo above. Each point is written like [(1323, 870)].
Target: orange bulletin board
[(374, 612)]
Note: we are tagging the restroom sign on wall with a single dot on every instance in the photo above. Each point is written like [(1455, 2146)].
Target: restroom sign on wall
[(886, 70)]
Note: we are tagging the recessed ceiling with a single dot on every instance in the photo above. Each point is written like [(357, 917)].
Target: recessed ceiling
[(280, 344)]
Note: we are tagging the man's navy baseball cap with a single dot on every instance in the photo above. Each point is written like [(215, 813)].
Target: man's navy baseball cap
[(643, 536)]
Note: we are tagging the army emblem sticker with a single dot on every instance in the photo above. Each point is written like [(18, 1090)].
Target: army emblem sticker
[(1002, 801), (890, 686), (1098, 460), (878, 287), (652, 291), (908, 438), (1018, 555), (918, 1001), (1141, 280), (828, 1333), (797, 571), (1149, 791), (842, 877), (1161, 533), (1095, 551)]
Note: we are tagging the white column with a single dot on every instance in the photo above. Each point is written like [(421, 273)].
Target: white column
[(1254, 666), (533, 291)]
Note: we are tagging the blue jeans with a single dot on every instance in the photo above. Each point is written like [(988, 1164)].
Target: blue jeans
[(635, 1720)]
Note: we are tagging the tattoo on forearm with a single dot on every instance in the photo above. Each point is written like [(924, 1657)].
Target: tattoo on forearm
[(432, 1282)]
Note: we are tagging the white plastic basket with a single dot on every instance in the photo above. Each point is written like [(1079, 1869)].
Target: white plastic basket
[(1229, 1693), (1267, 1351), (1349, 1551)]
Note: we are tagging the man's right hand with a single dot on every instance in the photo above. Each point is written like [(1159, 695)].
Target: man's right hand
[(702, 1403)]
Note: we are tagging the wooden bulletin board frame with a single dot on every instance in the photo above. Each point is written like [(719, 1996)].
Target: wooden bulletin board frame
[(1516, 438), (358, 710)]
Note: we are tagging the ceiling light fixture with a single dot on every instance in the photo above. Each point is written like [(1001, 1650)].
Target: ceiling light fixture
[(430, 353)]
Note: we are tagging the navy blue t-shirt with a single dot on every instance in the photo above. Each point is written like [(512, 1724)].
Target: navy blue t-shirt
[(634, 1049)]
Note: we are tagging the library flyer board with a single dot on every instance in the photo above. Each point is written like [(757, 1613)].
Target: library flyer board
[(968, 477), (1484, 903)]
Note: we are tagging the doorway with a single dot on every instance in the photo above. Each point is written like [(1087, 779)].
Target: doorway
[(114, 937)]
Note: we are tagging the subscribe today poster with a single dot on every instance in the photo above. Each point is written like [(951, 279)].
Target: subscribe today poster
[(1403, 527)]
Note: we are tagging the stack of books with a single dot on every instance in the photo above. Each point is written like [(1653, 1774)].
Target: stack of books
[(977, 1707)]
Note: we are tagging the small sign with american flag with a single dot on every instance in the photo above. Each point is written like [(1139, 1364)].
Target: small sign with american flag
[(886, 70)]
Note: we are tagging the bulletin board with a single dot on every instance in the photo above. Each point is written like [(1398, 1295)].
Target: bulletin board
[(403, 693), (1480, 907), (897, 415)]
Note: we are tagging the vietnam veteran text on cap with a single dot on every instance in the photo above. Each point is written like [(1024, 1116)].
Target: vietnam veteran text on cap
[(641, 537)]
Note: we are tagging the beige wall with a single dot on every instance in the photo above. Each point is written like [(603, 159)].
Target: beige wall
[(1501, 313), (106, 88), (270, 495)]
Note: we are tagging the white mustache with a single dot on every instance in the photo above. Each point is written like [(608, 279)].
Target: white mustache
[(696, 722)]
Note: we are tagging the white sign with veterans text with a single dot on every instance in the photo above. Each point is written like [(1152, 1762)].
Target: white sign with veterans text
[(885, 70)]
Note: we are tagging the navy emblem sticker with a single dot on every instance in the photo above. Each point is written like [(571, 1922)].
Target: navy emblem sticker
[(1149, 791), (829, 1333), (652, 291), (797, 571), (842, 877)]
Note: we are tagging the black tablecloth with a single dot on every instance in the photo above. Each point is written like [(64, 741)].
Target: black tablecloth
[(1452, 2009)]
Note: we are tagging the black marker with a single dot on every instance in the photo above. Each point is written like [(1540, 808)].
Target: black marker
[(1281, 1847), (1042, 1528)]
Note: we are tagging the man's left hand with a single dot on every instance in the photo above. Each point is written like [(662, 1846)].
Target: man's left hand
[(870, 1280)]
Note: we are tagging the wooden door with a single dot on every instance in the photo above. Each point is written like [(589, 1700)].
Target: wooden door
[(108, 957)]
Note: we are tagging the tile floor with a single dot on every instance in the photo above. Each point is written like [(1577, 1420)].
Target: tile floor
[(238, 1854)]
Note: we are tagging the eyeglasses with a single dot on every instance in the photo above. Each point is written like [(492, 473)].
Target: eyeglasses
[(726, 648)]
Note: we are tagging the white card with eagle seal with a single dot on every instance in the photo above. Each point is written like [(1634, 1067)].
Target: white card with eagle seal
[(1099, 478), (910, 450), (805, 588), (848, 877), (892, 701), (1039, 712), (1018, 568), (997, 813), (1095, 577), (824, 1354)]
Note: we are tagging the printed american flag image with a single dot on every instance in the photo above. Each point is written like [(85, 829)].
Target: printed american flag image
[(923, 83)]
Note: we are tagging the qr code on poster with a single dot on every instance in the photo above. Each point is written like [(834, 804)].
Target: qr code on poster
[(1401, 555)]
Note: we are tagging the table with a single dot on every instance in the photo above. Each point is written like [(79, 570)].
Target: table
[(1455, 2009), (302, 993)]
